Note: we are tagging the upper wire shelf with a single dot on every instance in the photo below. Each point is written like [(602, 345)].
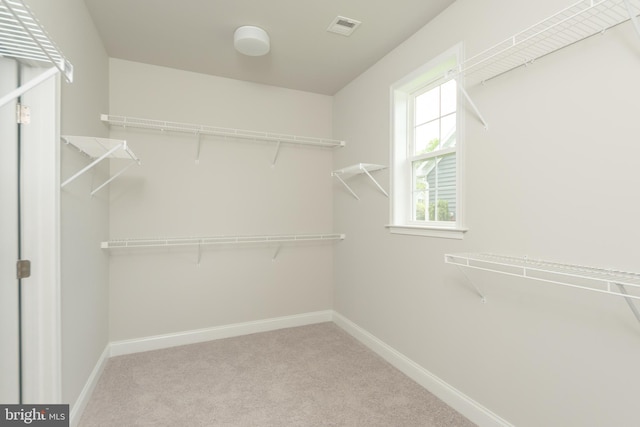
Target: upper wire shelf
[(572, 24), (596, 279), (199, 242), (22, 37), (218, 131), (218, 240)]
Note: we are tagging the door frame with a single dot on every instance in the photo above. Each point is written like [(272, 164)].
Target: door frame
[(9, 251), (41, 302)]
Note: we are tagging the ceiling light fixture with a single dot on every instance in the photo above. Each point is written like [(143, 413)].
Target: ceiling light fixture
[(251, 41)]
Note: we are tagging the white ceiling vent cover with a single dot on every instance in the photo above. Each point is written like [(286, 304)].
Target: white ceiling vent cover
[(343, 26)]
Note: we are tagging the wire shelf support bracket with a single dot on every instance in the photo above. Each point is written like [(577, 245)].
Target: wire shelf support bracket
[(361, 168), (198, 146), (23, 38), (472, 104), (600, 280), (636, 25), (100, 149)]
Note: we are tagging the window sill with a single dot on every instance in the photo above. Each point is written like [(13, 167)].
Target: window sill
[(439, 232)]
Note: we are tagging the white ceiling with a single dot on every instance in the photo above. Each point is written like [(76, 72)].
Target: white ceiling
[(197, 35)]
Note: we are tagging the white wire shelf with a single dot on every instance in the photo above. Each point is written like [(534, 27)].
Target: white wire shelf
[(199, 242), (100, 149), (601, 280), (23, 38), (218, 240), (197, 129), (577, 22), (358, 169)]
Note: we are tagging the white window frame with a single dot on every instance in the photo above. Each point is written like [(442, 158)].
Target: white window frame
[(403, 92)]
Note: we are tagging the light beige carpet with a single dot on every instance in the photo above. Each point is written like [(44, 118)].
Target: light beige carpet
[(315, 375)]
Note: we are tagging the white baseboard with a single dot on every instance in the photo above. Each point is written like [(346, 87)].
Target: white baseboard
[(81, 402), (157, 342), (454, 398), (451, 396)]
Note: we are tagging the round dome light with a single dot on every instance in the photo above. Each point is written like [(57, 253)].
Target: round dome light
[(251, 41)]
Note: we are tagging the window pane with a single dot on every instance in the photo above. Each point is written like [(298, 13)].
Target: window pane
[(446, 170), (446, 205), (428, 106), (434, 189), (421, 189), (448, 131), (419, 205), (427, 138), (421, 170), (449, 95), (443, 203)]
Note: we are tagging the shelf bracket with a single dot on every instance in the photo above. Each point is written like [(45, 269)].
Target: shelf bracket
[(275, 254), (275, 156), (112, 178), (198, 144), (199, 253), (634, 20), (483, 299), (632, 306), (376, 182), (122, 145), (472, 104), (348, 188), (28, 86), (90, 165)]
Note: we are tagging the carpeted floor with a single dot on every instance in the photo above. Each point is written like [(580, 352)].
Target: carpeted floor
[(315, 375)]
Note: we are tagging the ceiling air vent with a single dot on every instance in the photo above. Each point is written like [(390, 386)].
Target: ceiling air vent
[(343, 26)]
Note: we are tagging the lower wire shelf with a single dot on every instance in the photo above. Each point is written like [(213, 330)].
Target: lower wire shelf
[(601, 280)]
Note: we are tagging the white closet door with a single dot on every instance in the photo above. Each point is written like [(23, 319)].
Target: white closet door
[(40, 242), (9, 302)]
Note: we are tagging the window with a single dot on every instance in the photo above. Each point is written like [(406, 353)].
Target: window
[(427, 151)]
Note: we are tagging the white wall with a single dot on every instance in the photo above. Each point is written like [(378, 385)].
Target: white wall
[(232, 191), (84, 220), (553, 178)]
